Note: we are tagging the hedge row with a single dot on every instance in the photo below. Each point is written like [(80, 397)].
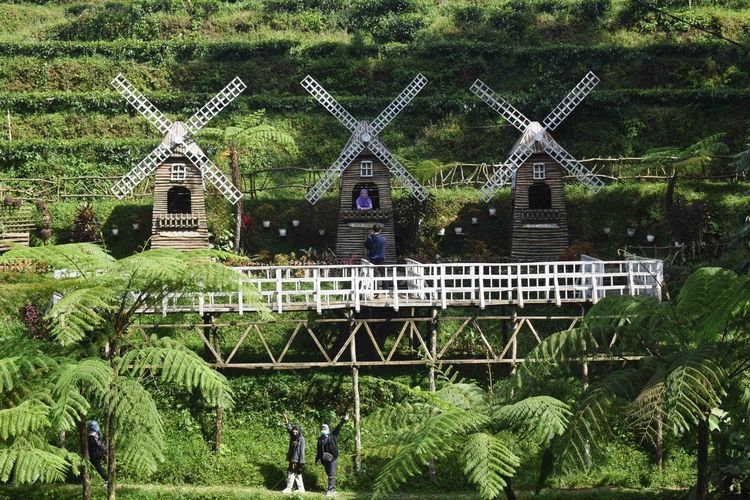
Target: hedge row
[(162, 51), (434, 105)]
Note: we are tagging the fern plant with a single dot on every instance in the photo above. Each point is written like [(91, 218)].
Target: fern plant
[(252, 144), (696, 352), (462, 417), (109, 367)]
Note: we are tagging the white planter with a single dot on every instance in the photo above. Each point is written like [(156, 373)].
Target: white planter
[(266, 223), (136, 226), (459, 230), (441, 231), (295, 223), (282, 232), (321, 232), (679, 244), (492, 211), (631, 231), (650, 238), (115, 231), (607, 230), (475, 220)]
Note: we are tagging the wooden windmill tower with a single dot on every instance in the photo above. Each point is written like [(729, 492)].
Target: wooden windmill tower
[(179, 213), (535, 166), (365, 163)]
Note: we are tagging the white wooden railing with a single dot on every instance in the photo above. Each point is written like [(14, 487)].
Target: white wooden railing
[(295, 288)]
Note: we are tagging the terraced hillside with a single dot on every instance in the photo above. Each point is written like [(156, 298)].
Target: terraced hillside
[(664, 81)]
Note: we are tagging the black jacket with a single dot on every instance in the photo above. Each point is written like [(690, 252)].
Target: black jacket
[(97, 449), (329, 443), (296, 451)]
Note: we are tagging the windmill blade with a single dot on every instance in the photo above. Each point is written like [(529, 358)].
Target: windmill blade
[(328, 102), (573, 99), (145, 167), (213, 174), (351, 151), (519, 155), (503, 107), (397, 169), (572, 165), (398, 104), (215, 105), (141, 103)]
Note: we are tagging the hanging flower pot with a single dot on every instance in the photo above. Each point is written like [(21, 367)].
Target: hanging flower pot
[(295, 222), (441, 231), (492, 211), (136, 226), (115, 231), (650, 238), (631, 232), (282, 232), (458, 230), (607, 230), (321, 232), (475, 220), (679, 244), (266, 223)]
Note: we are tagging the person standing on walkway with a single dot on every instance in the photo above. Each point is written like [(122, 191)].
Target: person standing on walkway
[(375, 245), (295, 456), (328, 452)]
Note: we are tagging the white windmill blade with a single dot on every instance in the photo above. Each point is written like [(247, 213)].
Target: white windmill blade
[(398, 104), (213, 174), (141, 103), (328, 102), (503, 107), (145, 167), (583, 174), (215, 105), (397, 169), (569, 103), (519, 155), (351, 151)]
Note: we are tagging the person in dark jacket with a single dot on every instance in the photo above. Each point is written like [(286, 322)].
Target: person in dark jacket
[(295, 455), (97, 449), (328, 452), (375, 245)]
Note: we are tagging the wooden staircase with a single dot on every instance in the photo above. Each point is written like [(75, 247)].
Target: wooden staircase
[(16, 225)]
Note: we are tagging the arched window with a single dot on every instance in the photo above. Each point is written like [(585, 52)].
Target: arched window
[(178, 200), (540, 196), (372, 193)]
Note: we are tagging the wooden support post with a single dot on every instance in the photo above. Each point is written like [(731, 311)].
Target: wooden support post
[(433, 354), (355, 387), (10, 128), (216, 342), (586, 444)]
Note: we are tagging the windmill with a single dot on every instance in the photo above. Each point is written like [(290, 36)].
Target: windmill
[(181, 169), (535, 167), (365, 163)]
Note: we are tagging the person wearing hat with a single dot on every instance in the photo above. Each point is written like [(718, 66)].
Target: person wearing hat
[(328, 452), (295, 455)]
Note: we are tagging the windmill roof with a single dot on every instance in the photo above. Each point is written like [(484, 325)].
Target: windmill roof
[(527, 138)]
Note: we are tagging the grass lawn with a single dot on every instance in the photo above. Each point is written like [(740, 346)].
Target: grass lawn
[(152, 491)]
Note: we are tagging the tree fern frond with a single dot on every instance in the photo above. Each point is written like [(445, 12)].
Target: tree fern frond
[(79, 257), (646, 413), (709, 297), (488, 461), (174, 363), (90, 377), (543, 417), (432, 439), (695, 384), (140, 432), (465, 396), (398, 416), (14, 368), (79, 312), (29, 416), (25, 463)]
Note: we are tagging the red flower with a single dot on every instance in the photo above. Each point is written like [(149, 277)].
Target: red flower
[(246, 220)]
